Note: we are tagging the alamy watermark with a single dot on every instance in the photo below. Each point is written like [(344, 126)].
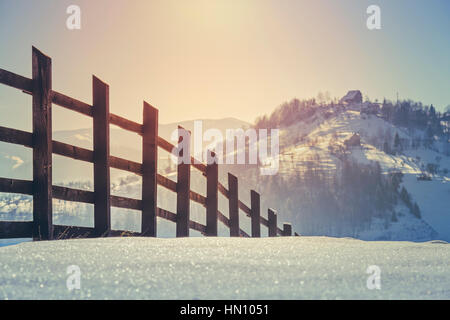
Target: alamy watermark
[(73, 22), (374, 20), (374, 280), (73, 281), (239, 146)]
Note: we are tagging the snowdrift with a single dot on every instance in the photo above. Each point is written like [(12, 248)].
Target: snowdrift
[(225, 268)]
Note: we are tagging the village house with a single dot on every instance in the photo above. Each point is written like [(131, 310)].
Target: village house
[(352, 97)]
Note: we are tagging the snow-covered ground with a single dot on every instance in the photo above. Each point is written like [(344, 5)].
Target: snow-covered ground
[(225, 268)]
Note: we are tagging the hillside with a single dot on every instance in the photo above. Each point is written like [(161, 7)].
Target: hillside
[(317, 146), (320, 177)]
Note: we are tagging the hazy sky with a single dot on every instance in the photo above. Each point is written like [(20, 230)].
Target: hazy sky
[(231, 58)]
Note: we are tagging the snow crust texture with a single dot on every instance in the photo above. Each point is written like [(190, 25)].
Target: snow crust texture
[(225, 268)]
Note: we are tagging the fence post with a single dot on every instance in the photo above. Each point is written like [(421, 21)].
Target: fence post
[(272, 217), (42, 146), (256, 214), (183, 184), (233, 205), (100, 112), (149, 170), (212, 184), (287, 230)]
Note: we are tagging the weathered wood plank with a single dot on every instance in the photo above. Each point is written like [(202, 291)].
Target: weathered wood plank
[(125, 123), (196, 197), (279, 231), (222, 218), (244, 208), (42, 146), (102, 211), (223, 190), (256, 214), (126, 203), (212, 180), (126, 165), (16, 186), (16, 137), (233, 205), (264, 221), (197, 226), (70, 151), (165, 145), (243, 234), (170, 216), (71, 104), (166, 183), (272, 215), (149, 170), (287, 229), (16, 229), (167, 215), (199, 166), (68, 194), (16, 81), (183, 186)]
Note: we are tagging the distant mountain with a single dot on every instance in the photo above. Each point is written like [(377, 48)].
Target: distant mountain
[(16, 161)]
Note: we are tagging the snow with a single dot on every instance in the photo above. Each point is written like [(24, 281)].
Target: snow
[(433, 198), (225, 268), (407, 227)]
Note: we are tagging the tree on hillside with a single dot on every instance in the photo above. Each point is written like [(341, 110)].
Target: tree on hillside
[(387, 110), (397, 143), (416, 211), (432, 112)]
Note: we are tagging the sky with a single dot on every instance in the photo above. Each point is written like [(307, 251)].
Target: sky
[(224, 58)]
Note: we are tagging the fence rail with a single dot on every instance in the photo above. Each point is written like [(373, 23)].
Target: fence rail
[(42, 190)]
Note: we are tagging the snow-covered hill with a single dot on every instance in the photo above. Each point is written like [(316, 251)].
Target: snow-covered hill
[(321, 140), (225, 268)]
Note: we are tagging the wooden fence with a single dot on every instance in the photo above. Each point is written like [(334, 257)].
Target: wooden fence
[(42, 190)]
